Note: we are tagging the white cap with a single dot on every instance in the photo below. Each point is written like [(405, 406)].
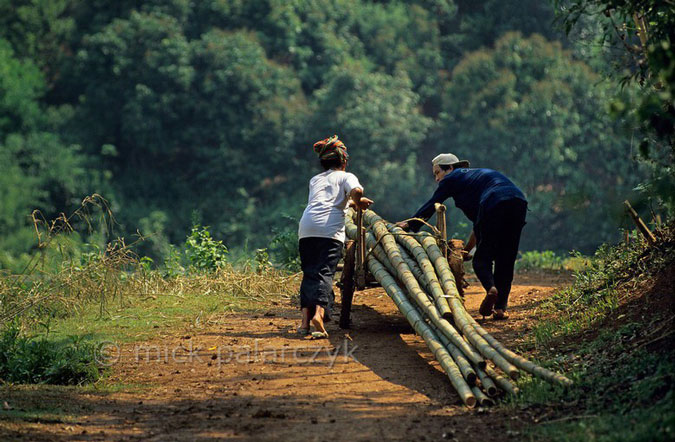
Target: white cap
[(449, 159)]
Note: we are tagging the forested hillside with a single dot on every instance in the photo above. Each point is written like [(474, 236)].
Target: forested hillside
[(181, 112)]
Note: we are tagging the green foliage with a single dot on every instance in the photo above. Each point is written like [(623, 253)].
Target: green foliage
[(37, 169), (204, 253), (284, 247), (21, 84), (528, 109), (172, 263), (642, 33), (38, 29), (547, 260), (167, 107), (615, 397), (379, 121), (27, 360), (262, 260), (479, 24), (622, 364), (594, 292)]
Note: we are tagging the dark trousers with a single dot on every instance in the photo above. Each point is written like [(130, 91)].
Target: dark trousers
[(319, 259), (497, 239)]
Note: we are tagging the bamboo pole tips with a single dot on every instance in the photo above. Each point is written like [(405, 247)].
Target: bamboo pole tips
[(417, 277)]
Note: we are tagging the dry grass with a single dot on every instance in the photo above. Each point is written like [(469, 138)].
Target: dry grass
[(60, 282)]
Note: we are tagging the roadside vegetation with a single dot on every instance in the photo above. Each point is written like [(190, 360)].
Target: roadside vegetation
[(549, 260), (74, 296), (611, 331)]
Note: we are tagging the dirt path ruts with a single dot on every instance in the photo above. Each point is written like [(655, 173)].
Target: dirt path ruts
[(253, 378)]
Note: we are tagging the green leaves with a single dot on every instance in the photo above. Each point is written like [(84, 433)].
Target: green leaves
[(640, 35), (21, 84), (528, 109), (203, 252), (174, 106), (28, 360)]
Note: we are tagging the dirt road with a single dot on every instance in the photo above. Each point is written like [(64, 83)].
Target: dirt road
[(254, 378)]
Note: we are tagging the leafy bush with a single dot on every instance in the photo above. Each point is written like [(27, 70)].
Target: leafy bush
[(623, 363), (262, 260), (547, 260), (28, 360), (285, 249), (204, 253), (172, 263)]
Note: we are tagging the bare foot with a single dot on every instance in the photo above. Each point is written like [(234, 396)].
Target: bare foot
[(500, 314), (489, 302), (317, 320)]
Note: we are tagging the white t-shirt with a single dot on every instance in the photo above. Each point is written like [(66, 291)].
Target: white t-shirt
[(324, 215)]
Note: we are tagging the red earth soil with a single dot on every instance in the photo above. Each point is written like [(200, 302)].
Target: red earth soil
[(251, 377)]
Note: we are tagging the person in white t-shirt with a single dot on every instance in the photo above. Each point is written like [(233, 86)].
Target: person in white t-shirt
[(321, 232)]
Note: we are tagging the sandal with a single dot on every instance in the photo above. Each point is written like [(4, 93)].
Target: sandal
[(319, 335), (302, 331)]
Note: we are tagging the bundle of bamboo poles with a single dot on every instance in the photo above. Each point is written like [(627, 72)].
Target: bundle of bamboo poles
[(414, 273)]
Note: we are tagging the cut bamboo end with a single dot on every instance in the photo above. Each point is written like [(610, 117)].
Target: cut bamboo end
[(502, 382), (483, 400), (487, 383), (514, 374), (469, 400), (415, 274)]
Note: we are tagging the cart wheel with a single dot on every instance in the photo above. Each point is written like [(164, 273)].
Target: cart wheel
[(347, 283), (456, 261)]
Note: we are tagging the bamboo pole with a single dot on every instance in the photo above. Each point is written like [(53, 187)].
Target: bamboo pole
[(502, 382), (351, 230), (459, 314), (416, 320), (487, 383), (360, 251), (520, 361), (404, 274), (415, 269), (466, 322), (441, 225), (417, 251), (482, 399), (399, 264), (464, 365)]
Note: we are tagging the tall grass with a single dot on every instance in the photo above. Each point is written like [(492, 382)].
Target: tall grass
[(68, 278), (66, 275)]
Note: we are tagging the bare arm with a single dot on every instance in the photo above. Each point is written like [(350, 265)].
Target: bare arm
[(361, 201)]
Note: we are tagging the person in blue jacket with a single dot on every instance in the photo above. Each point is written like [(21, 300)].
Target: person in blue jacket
[(497, 209)]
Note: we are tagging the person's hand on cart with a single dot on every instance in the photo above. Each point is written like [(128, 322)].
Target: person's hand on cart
[(403, 224)]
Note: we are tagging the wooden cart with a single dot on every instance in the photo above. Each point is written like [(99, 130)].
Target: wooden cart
[(355, 274)]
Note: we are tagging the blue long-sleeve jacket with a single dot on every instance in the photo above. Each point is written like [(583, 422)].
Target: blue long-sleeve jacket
[(475, 192)]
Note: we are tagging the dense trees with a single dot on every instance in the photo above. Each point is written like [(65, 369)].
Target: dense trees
[(37, 169), (642, 33), (526, 108), (179, 111)]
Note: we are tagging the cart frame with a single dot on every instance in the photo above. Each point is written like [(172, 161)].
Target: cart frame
[(355, 275)]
